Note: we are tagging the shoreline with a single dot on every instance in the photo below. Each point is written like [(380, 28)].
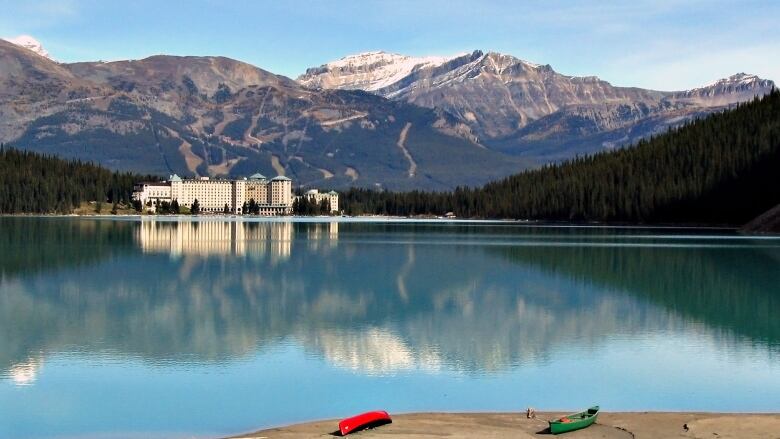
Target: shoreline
[(457, 425), (383, 219)]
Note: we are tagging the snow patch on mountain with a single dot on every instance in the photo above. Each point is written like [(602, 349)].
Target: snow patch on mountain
[(369, 71), (727, 91), (736, 79), (29, 43)]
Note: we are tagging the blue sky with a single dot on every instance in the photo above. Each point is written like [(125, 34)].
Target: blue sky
[(661, 44)]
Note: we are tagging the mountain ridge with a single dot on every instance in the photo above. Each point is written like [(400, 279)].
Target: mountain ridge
[(30, 43), (499, 96), (213, 116), (471, 117)]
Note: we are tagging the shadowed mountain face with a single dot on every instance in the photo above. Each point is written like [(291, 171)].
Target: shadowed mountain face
[(216, 116), (529, 109), (372, 120)]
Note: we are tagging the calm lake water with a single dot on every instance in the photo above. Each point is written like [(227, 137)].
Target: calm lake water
[(167, 328)]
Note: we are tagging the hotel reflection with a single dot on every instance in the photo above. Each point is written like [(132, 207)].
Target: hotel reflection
[(236, 238)]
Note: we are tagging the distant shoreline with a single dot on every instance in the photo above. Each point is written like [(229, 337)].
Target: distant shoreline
[(383, 219), (649, 425)]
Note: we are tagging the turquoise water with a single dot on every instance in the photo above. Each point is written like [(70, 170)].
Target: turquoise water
[(167, 328)]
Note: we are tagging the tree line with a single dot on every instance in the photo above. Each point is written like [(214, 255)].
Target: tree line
[(36, 183), (304, 206), (722, 169)]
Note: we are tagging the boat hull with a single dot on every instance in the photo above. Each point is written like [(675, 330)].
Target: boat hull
[(574, 421), (363, 421)]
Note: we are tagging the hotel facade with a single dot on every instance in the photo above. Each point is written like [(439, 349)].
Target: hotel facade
[(273, 197), (315, 196)]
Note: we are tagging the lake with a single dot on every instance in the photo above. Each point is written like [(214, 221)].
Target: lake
[(199, 328)]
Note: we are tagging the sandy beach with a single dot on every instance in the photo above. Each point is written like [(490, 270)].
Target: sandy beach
[(649, 425)]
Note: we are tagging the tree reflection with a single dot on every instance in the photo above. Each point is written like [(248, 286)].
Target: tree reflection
[(378, 301)]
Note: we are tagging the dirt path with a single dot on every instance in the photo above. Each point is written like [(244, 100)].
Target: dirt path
[(276, 165), (328, 123), (325, 173), (226, 119), (402, 144), (224, 167), (252, 138), (190, 158), (248, 134)]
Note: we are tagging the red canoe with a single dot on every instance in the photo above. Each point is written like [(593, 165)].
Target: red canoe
[(364, 420)]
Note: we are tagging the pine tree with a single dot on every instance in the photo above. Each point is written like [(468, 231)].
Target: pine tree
[(721, 169), (35, 183)]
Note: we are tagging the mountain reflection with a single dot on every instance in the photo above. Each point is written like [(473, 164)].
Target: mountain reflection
[(731, 288), (373, 298)]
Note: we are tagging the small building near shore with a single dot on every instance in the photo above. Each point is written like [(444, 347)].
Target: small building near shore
[(317, 197)]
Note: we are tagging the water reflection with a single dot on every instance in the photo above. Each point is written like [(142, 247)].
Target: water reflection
[(733, 287), (29, 245), (24, 374), (217, 237), (377, 299), (163, 326), (372, 350)]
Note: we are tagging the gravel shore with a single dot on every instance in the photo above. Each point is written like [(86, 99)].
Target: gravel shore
[(650, 425)]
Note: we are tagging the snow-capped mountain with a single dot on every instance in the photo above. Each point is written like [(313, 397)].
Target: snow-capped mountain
[(735, 88), (369, 71), (29, 43), (424, 122), (215, 116), (507, 102)]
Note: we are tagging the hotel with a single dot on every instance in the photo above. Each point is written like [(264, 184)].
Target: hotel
[(273, 197), (315, 196)]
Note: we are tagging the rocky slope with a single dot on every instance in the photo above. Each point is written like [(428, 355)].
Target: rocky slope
[(766, 223), (373, 120), (525, 108), (217, 116), (29, 43)]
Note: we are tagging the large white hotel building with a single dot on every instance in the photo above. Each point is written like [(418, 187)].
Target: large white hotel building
[(274, 196)]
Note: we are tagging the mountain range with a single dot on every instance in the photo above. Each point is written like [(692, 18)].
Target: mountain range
[(371, 120), (527, 109)]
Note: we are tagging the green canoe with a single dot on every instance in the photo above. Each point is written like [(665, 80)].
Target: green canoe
[(575, 421)]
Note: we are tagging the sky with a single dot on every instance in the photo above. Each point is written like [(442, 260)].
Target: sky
[(658, 44)]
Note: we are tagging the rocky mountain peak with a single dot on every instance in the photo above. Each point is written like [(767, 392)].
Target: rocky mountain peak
[(29, 43), (428, 122), (159, 73), (498, 94), (725, 91), (369, 71), (736, 80), (502, 62)]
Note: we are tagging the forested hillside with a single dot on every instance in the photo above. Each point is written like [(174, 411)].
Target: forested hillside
[(722, 169), (214, 116), (34, 183)]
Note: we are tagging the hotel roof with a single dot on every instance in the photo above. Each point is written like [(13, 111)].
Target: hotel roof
[(257, 176), (280, 178)]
